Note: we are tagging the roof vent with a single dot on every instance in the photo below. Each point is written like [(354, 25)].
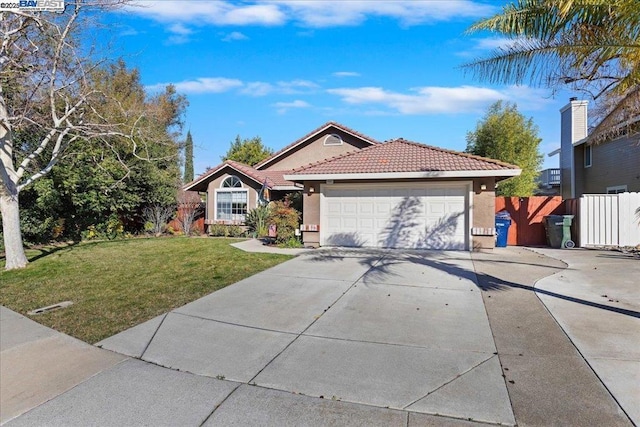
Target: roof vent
[(573, 98), (333, 139)]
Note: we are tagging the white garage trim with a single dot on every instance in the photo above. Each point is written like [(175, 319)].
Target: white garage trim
[(405, 175), (398, 214)]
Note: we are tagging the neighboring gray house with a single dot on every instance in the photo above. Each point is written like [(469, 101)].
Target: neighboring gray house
[(594, 168)]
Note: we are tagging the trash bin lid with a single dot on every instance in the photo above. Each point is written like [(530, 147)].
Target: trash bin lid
[(503, 215)]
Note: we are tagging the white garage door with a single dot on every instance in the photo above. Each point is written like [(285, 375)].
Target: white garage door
[(419, 216)]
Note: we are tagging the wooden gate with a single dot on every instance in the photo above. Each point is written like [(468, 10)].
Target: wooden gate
[(527, 217)]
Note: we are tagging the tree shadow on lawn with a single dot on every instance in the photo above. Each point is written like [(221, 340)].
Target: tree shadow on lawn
[(35, 253)]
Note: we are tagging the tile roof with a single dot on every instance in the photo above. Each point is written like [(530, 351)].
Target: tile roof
[(310, 134), (273, 178), (402, 156)]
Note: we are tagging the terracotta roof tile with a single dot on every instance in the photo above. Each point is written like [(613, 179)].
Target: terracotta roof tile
[(273, 178), (310, 134), (402, 156)]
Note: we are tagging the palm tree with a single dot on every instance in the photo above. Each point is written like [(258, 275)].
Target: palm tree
[(589, 45)]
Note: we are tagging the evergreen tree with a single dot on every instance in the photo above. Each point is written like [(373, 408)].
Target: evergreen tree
[(505, 134), (188, 159)]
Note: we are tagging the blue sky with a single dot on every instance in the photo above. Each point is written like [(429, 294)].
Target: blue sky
[(279, 69)]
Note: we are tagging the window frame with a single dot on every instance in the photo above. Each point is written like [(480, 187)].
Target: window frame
[(326, 138), (588, 158), (617, 189), (230, 190)]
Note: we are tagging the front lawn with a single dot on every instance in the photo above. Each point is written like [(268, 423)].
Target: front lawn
[(118, 284)]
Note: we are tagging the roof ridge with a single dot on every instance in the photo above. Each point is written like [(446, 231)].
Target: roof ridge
[(315, 131), (459, 153)]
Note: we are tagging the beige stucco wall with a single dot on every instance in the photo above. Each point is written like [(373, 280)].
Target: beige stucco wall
[(249, 184), (314, 150), (311, 213), (482, 202)]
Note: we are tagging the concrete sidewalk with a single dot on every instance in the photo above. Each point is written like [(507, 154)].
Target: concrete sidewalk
[(596, 300), (37, 363)]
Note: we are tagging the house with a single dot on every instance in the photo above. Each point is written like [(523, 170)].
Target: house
[(594, 168), (548, 181), (360, 192)]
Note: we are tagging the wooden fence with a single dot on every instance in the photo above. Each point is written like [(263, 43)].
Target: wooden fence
[(606, 219), (527, 217)]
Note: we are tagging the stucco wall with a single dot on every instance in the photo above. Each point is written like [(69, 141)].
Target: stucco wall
[(483, 205), (314, 150), (311, 213)]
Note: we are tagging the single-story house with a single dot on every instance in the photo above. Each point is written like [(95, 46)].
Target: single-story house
[(360, 192)]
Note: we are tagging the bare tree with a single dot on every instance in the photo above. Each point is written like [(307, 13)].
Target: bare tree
[(189, 207), (48, 101), (157, 216)]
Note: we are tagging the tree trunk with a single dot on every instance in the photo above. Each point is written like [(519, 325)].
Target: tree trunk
[(15, 256)]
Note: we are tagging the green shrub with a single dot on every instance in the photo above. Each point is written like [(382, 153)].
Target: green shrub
[(219, 230), (294, 242), (235, 231), (256, 221), (286, 220)]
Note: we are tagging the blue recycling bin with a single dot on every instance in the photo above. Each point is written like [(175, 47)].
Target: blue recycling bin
[(503, 222)]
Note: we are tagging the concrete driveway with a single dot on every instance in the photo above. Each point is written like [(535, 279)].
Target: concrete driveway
[(351, 337)]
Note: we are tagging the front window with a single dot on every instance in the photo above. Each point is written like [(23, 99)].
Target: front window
[(231, 200)]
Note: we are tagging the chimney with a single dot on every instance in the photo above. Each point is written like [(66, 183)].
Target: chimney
[(573, 128)]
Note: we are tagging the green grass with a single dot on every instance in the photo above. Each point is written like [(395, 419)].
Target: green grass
[(116, 285)]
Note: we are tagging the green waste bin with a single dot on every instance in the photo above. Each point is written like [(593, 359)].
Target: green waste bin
[(559, 231)]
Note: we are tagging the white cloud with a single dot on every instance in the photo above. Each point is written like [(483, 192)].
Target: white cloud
[(179, 28), (311, 13), (324, 13), (234, 36), (257, 89), (294, 104), (480, 46), (201, 85), (209, 12), (439, 100), (346, 74), (293, 87), (283, 107), (223, 84)]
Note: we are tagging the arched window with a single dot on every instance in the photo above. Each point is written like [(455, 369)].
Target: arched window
[(231, 200), (231, 182)]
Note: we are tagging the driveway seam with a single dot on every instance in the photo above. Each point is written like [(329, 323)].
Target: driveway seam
[(234, 324), (396, 344), (416, 286), (154, 335), (449, 382)]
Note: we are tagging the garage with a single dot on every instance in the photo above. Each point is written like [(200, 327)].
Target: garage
[(420, 215)]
